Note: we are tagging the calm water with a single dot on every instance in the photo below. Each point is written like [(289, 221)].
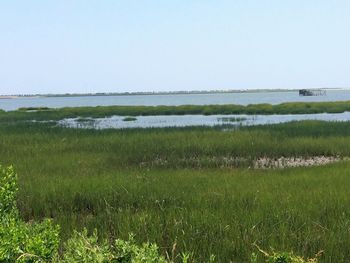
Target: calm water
[(116, 122), (152, 100)]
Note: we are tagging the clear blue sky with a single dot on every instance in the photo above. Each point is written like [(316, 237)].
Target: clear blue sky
[(147, 45)]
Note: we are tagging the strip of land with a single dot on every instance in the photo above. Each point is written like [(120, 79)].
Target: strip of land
[(179, 92), (44, 113)]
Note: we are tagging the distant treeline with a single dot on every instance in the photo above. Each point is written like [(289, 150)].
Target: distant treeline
[(44, 113), (148, 93)]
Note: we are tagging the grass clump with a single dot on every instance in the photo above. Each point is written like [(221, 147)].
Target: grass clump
[(130, 119)]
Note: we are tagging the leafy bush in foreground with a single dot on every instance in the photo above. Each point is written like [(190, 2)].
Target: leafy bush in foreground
[(284, 257), (84, 248), (39, 242), (21, 242)]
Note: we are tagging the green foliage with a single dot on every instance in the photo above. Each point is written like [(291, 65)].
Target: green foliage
[(34, 242), (283, 257), (21, 242), (128, 251), (8, 191), (85, 249)]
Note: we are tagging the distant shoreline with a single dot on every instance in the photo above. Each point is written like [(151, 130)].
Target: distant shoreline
[(153, 93), (20, 96), (8, 97)]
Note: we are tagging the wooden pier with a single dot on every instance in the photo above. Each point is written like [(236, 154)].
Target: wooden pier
[(312, 92)]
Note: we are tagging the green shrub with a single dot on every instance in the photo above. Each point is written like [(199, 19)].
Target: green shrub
[(128, 251), (8, 191), (283, 257), (83, 248), (20, 241)]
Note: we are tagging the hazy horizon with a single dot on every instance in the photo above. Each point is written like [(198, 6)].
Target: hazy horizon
[(156, 46), (168, 92)]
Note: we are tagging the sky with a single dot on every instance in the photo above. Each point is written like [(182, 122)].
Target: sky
[(83, 46)]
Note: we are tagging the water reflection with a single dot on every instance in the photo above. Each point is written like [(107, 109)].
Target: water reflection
[(122, 122)]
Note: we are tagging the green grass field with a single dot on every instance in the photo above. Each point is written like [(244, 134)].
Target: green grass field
[(179, 186)]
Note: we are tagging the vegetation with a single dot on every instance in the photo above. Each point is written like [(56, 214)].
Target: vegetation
[(33, 108), (104, 111), (21, 242), (38, 242), (38, 144), (285, 257), (177, 186), (130, 119)]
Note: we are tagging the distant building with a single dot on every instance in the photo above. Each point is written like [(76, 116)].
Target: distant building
[(313, 92)]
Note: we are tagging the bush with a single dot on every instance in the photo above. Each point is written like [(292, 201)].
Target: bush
[(83, 248), (283, 257), (20, 241), (8, 192)]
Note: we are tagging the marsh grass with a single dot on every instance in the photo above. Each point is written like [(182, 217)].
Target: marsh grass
[(113, 180), (33, 109), (221, 212), (173, 148), (44, 113)]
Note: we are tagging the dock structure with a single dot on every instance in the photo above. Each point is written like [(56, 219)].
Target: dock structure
[(312, 92)]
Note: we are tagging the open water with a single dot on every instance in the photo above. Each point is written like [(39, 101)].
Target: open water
[(242, 98)]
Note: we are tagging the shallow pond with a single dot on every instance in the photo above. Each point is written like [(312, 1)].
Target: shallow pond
[(121, 122)]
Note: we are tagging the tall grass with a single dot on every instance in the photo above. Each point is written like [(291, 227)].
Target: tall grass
[(118, 181), (170, 148), (221, 212)]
